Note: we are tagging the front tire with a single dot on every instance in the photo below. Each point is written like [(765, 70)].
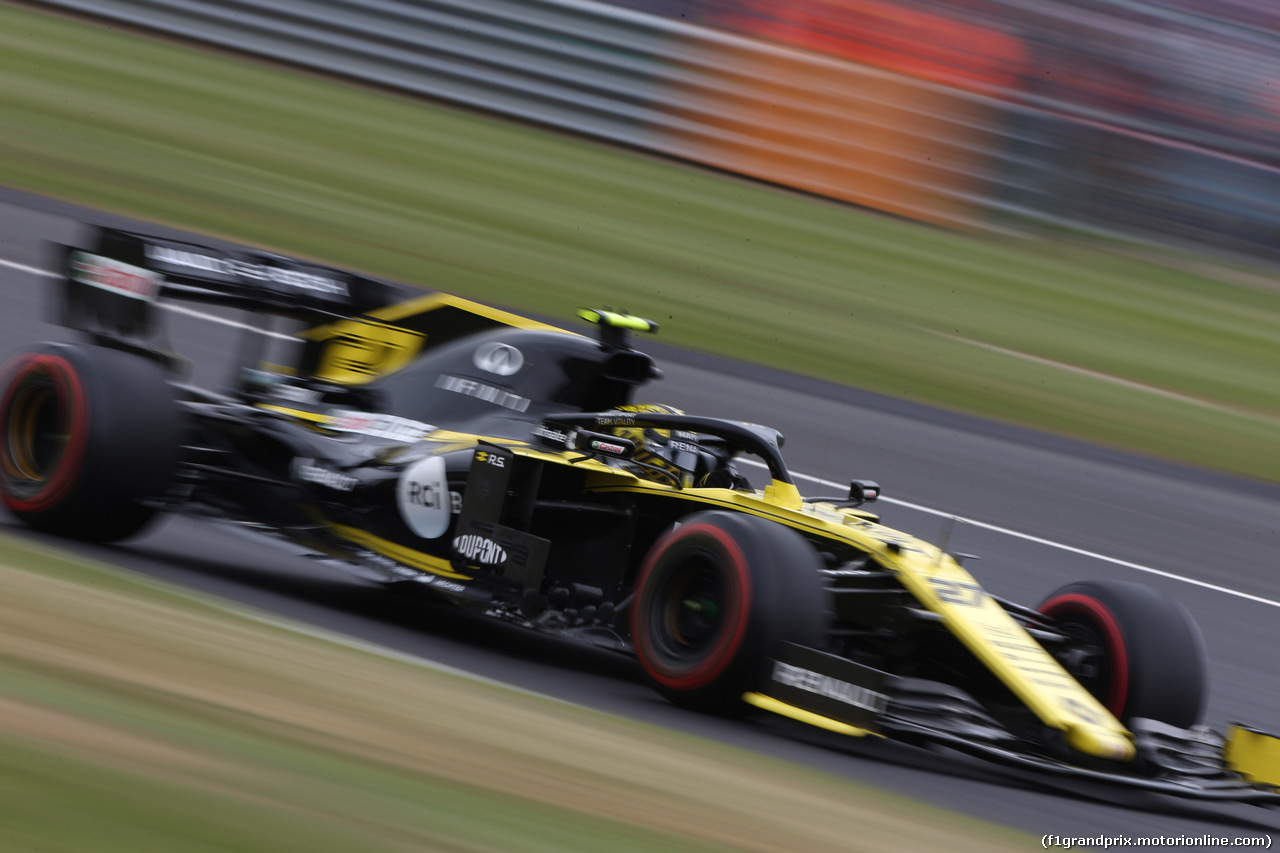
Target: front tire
[(86, 434), (717, 597), (1137, 650)]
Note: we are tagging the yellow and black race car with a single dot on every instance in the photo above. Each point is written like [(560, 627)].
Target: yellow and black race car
[(460, 452)]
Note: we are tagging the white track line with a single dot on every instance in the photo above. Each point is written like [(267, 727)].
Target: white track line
[(1114, 380), (1026, 537), (13, 265), (235, 324)]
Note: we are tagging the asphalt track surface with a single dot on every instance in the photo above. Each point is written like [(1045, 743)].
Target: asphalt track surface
[(1040, 511)]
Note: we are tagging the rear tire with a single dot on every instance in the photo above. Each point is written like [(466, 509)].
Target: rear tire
[(1137, 650), (86, 433), (717, 597)]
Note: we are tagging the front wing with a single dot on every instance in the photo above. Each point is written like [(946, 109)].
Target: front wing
[(841, 696)]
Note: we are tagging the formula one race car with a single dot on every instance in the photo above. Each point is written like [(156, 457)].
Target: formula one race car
[(460, 452)]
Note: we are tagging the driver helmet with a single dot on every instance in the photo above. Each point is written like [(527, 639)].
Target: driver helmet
[(673, 451)]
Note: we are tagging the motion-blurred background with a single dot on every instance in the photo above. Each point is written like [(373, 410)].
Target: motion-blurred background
[(1056, 214), (960, 164), (1152, 117)]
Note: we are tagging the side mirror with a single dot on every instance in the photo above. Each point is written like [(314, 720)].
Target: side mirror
[(863, 492)]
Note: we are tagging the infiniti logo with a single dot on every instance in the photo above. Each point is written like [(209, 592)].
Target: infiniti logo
[(499, 358)]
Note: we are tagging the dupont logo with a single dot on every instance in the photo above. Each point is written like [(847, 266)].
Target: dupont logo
[(480, 550)]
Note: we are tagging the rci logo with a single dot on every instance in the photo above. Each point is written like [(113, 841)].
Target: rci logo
[(480, 549), (423, 498), (424, 494)]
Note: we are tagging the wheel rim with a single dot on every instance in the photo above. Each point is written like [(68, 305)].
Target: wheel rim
[(691, 617), (1098, 659), (44, 433), (35, 439), (1087, 661), (693, 612)]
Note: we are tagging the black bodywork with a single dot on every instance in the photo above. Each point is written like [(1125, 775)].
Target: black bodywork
[(460, 452)]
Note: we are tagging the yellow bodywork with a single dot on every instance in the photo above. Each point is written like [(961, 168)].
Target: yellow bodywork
[(768, 703), (1253, 753), (943, 586), (358, 350), (1005, 648)]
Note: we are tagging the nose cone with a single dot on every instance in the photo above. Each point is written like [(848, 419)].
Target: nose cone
[(1101, 743)]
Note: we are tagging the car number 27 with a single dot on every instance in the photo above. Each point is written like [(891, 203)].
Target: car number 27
[(958, 592)]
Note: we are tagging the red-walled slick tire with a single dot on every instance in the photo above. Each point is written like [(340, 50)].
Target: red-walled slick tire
[(86, 433), (717, 596), (1134, 648)]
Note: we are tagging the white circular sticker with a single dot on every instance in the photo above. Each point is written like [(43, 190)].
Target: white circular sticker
[(423, 497), (502, 359)]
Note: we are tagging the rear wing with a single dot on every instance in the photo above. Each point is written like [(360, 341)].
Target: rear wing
[(145, 269), (355, 328)]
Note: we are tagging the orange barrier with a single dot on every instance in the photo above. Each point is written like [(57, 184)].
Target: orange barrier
[(929, 46), (838, 129)]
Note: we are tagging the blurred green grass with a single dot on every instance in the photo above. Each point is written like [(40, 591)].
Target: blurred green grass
[(137, 719), (1156, 357)]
